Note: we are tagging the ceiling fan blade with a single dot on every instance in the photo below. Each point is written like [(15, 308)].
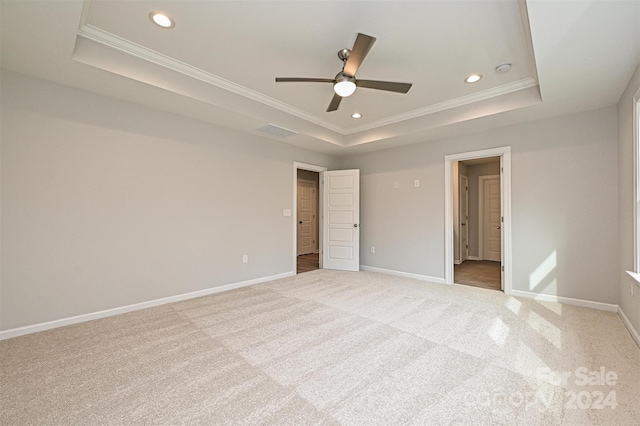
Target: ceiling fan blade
[(303, 80), (335, 102), (389, 86), (360, 49)]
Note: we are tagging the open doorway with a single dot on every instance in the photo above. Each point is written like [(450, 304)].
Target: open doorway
[(338, 200), (477, 223), (307, 245), (308, 217), (478, 218)]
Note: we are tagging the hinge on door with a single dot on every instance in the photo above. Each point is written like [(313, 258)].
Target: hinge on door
[(502, 268), (501, 169), (501, 218)]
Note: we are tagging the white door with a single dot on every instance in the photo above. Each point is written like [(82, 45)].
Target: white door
[(307, 231), (341, 220), (492, 224), (464, 218)]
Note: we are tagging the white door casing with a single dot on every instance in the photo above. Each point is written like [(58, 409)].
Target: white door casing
[(505, 182), (490, 220), (341, 218), (307, 210), (464, 217)]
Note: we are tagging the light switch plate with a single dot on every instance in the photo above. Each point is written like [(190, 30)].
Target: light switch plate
[(416, 183), (286, 212)]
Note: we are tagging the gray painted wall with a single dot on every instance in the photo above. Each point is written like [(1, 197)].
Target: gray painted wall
[(107, 203), (629, 304), (559, 212)]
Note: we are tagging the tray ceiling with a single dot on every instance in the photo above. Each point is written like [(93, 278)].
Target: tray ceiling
[(220, 61)]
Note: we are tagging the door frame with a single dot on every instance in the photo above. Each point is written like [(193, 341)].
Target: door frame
[(505, 199), (481, 180), (294, 214), (464, 251)]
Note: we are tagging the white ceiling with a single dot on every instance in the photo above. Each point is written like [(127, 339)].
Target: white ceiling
[(219, 62)]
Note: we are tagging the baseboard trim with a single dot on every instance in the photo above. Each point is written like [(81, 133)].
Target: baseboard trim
[(402, 274), (630, 328), (473, 258), (566, 300), (21, 331)]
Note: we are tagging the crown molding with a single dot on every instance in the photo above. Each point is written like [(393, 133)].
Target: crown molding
[(453, 103), (106, 38), (121, 44)]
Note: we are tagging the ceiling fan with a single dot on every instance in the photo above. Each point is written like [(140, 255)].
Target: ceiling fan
[(345, 82)]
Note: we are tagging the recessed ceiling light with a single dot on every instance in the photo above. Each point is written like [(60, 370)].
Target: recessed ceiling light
[(162, 20), (473, 78), (356, 115)]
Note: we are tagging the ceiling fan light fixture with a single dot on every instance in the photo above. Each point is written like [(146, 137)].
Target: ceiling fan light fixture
[(344, 85), (344, 88), (473, 78), (162, 20)]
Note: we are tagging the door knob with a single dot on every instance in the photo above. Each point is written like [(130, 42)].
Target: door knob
[(355, 225), (463, 224), (300, 222), (497, 227)]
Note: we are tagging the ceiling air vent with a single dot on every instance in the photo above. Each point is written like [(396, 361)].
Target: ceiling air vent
[(277, 131)]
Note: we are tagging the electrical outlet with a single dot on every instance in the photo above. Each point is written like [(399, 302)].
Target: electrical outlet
[(373, 249), (416, 183), (395, 185), (245, 258)]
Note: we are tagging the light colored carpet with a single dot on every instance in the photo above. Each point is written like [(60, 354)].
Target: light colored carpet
[(328, 347)]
